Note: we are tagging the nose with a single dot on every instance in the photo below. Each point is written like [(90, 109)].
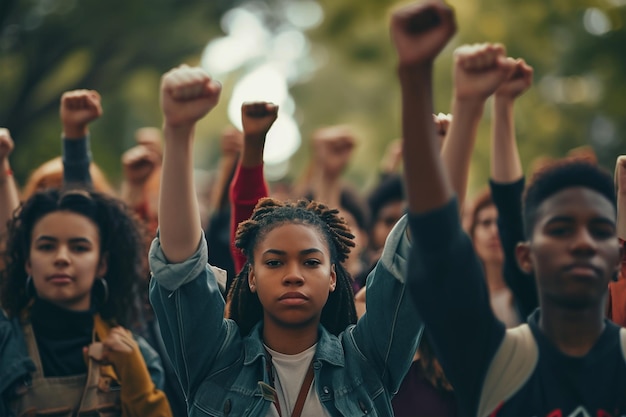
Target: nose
[(583, 243), (62, 256), (293, 275)]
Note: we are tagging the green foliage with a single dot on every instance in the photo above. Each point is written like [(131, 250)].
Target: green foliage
[(116, 47)]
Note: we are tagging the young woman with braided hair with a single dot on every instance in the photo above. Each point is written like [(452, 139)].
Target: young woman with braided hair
[(291, 346), (246, 308)]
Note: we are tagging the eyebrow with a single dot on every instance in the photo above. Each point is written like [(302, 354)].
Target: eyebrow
[(569, 219), (71, 240), (302, 252)]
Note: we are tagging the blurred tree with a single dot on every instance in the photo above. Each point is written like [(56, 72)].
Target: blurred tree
[(117, 47)]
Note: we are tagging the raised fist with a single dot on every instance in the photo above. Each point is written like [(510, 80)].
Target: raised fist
[(78, 109), (333, 148), (518, 81), (479, 70), (257, 117), (187, 95), (6, 144), (231, 141), (442, 124), (420, 31), (139, 163)]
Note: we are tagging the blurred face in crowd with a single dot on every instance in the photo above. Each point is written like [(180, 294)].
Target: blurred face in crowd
[(485, 235), (64, 259), (388, 216)]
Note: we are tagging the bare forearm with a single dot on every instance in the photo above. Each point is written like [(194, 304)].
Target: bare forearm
[(179, 214), (459, 144), (9, 196), (621, 215), (506, 166), (253, 148), (427, 183)]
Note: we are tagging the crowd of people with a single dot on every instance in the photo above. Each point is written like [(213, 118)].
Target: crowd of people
[(247, 298)]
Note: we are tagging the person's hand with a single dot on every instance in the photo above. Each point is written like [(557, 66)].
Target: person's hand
[(113, 350), (620, 174), (479, 70), (420, 31), (151, 137), (333, 148), (231, 142), (6, 144), (257, 118), (187, 95), (442, 124), (78, 109), (139, 163), (518, 81), (393, 157)]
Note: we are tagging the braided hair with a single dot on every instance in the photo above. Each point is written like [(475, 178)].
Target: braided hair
[(245, 307)]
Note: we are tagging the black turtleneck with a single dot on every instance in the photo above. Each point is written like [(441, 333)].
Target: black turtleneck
[(61, 335)]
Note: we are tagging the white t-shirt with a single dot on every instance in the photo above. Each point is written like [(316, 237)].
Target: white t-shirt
[(289, 372)]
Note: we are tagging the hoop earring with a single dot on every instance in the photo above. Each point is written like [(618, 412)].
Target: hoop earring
[(104, 291), (29, 288)]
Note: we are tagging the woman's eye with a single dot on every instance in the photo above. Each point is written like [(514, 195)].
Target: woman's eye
[(45, 246), (272, 262), (81, 248), (312, 262)]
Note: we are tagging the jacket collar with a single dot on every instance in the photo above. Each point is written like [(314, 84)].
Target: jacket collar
[(328, 350)]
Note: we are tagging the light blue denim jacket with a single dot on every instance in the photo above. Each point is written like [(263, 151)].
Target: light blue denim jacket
[(222, 373)]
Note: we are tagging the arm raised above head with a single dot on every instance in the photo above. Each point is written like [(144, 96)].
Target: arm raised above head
[(187, 95)]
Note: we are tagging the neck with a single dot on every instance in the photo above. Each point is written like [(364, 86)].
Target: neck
[(573, 331), (289, 341), (494, 276)]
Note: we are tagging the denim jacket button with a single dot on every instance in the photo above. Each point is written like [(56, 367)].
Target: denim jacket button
[(325, 390), (227, 407), (362, 407)]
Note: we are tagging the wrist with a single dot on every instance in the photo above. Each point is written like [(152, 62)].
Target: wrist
[(178, 131), (504, 100), (72, 131), (5, 171), (409, 72)]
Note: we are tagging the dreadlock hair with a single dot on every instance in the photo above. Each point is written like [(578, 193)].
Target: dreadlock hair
[(121, 242), (245, 308), (558, 176)]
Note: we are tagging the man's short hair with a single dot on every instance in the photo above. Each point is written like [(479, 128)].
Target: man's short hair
[(561, 175)]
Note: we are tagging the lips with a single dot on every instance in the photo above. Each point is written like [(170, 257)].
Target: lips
[(293, 295), (59, 279), (293, 298), (583, 269)]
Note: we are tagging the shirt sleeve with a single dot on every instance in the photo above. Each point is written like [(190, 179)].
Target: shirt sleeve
[(76, 161), (507, 198), (247, 188), (389, 331), (446, 281), (189, 307)]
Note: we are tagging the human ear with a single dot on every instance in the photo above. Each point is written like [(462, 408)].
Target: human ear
[(333, 278), (522, 255), (103, 266), (251, 279)]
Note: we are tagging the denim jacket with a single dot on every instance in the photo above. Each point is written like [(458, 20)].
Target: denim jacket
[(224, 374)]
